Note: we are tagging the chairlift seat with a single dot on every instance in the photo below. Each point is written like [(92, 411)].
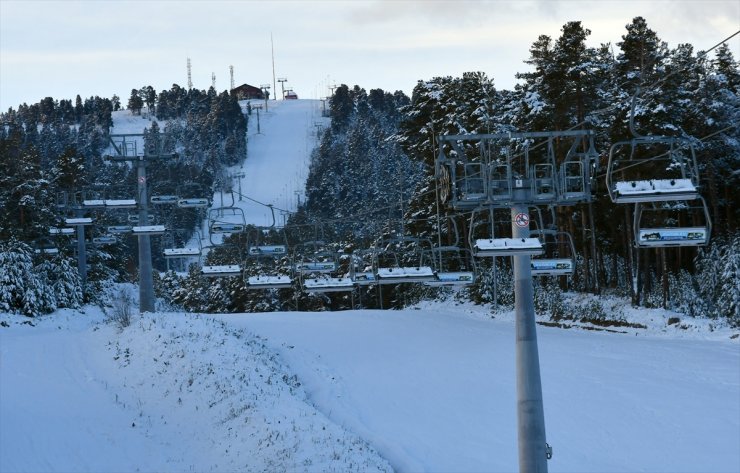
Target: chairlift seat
[(364, 278), (227, 228), (221, 271), (121, 203), (267, 250), (61, 231), (164, 199), (654, 190), (670, 237), (135, 218), (316, 267), (104, 240), (405, 274), (93, 203), (148, 230), (507, 247), (79, 221), (115, 229), (327, 284), (181, 252), (269, 282), (47, 251), (452, 278), (552, 267), (192, 203)]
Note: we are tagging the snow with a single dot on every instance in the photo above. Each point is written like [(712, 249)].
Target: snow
[(78, 221), (61, 231), (119, 229), (655, 186), (268, 282), (177, 252), (507, 246), (120, 203), (316, 267), (406, 273), (327, 283), (278, 157), (221, 270), (430, 388), (148, 230)]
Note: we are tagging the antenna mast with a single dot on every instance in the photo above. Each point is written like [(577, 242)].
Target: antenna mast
[(213, 80), (272, 50), (231, 70), (190, 78)]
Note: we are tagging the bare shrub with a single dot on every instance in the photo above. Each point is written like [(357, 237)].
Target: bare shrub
[(123, 303)]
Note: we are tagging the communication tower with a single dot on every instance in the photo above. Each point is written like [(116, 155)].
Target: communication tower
[(190, 77)]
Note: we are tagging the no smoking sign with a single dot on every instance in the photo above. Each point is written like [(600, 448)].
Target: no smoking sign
[(521, 220)]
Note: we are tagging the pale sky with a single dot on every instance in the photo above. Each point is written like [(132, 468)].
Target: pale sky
[(63, 48)]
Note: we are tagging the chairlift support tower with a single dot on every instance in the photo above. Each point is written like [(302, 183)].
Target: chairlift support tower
[(125, 151), (518, 184)]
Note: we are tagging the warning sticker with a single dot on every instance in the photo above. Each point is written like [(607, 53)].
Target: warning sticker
[(521, 220)]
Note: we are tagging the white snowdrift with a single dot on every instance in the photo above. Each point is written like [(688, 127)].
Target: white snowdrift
[(430, 389)]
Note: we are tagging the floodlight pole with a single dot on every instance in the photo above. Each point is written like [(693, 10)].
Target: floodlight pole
[(530, 408)]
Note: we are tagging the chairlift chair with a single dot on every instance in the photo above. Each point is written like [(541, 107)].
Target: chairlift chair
[(91, 198), (361, 268), (148, 230), (501, 246), (660, 224), (75, 221), (220, 271), (230, 269), (102, 238), (118, 229), (45, 246), (399, 271), (558, 258), (190, 195), (316, 267), (270, 253), (61, 231), (226, 220), (164, 199), (269, 282), (174, 252), (454, 267)]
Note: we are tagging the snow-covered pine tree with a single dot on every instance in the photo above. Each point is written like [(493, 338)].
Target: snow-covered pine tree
[(21, 290), (65, 282)]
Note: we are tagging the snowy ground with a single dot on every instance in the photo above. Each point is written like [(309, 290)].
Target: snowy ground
[(425, 389)]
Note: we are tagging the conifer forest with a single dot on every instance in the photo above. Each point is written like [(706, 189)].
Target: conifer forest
[(374, 176)]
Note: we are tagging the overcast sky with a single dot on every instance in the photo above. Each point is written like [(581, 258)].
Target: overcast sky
[(99, 47)]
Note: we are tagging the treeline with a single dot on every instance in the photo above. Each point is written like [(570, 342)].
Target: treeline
[(362, 164), (53, 151), (572, 86)]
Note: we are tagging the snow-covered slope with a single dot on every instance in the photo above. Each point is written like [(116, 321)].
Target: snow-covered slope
[(278, 157), (172, 392), (428, 389)]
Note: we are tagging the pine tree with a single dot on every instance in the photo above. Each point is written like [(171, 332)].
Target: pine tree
[(20, 288), (135, 102)]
